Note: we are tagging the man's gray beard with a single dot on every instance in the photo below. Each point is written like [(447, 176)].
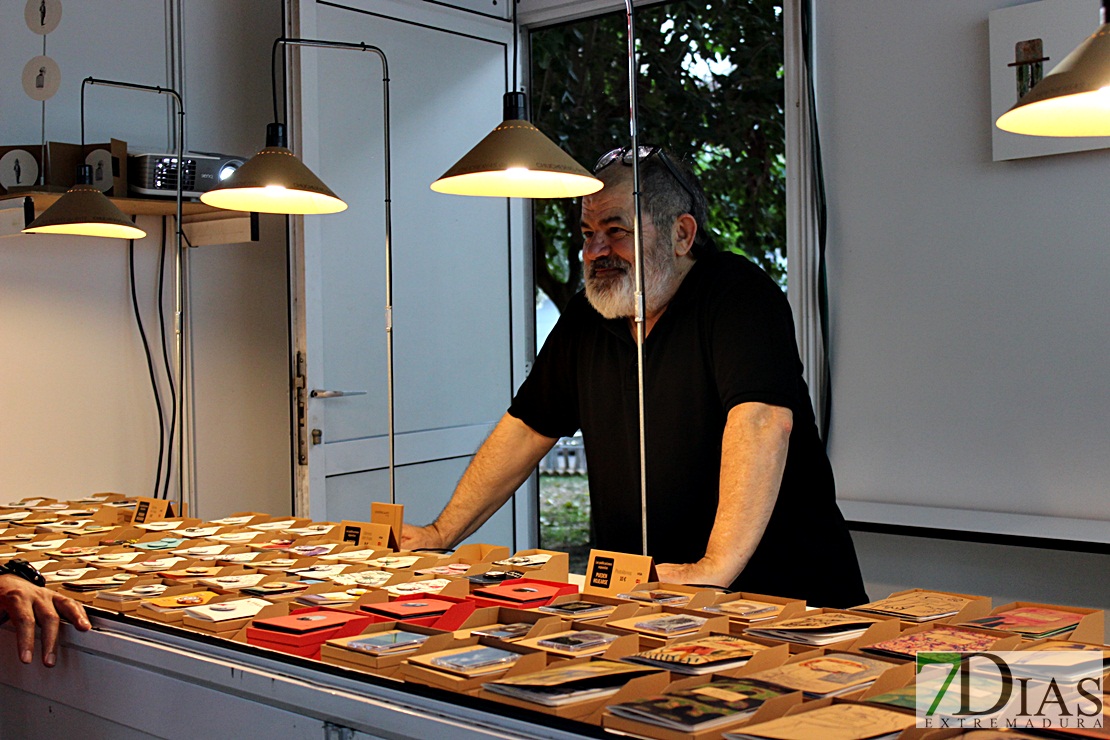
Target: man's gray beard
[(615, 297)]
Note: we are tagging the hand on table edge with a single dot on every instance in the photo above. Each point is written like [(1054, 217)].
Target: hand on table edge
[(28, 605)]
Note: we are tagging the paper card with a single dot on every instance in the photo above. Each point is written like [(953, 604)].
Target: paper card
[(612, 573), (150, 510), (390, 514), (351, 533)]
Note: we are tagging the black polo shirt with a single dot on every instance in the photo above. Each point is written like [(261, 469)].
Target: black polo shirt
[(726, 338)]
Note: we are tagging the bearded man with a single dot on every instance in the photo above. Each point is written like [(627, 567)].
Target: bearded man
[(740, 490)]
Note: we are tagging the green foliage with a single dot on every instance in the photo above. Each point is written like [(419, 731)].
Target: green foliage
[(710, 89)]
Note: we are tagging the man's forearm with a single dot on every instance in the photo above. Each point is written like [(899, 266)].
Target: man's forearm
[(753, 457), (501, 465)]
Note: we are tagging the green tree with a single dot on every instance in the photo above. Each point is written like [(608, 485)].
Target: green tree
[(710, 89)]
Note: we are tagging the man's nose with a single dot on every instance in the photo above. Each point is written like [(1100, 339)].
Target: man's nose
[(596, 246)]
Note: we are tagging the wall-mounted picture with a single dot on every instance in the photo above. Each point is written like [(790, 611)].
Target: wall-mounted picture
[(1026, 43)]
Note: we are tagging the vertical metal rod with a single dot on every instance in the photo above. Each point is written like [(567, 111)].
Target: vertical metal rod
[(638, 239), (184, 478), (391, 431)]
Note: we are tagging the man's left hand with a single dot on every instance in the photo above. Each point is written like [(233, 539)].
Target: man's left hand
[(27, 605)]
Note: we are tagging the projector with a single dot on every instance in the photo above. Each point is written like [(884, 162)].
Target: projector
[(156, 174)]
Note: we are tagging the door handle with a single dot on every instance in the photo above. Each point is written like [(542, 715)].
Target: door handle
[(314, 393)]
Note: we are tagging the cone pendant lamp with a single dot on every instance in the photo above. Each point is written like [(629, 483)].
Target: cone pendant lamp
[(1074, 99), (516, 160), (274, 181), (85, 211)]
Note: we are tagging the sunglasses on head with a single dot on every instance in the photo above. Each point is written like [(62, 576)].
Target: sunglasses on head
[(626, 155)]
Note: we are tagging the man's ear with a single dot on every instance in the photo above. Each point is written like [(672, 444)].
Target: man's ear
[(683, 233)]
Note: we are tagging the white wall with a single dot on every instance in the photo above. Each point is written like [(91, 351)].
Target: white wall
[(77, 413), (968, 303)]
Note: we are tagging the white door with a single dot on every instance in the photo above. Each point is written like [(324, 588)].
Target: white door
[(459, 293)]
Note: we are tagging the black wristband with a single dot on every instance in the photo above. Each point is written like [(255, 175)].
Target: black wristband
[(23, 569)]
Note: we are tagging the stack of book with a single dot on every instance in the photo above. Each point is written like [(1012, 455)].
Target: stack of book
[(1031, 622), (826, 675), (569, 683), (939, 639), (815, 629), (701, 655), (917, 606), (833, 722)]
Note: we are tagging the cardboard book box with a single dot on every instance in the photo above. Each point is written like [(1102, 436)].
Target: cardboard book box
[(976, 606), (623, 643), (1001, 640), (909, 732), (128, 605), (881, 629), (650, 640), (772, 656), (1089, 629), (515, 593), (587, 710), (698, 597), (380, 608), (557, 568), (87, 597), (771, 709), (495, 616), (613, 608), (230, 627), (306, 644), (335, 651), (174, 615), (417, 668), (478, 553)]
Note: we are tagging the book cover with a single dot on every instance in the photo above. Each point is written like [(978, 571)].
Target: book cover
[(558, 685), (715, 652), (1031, 621), (834, 722), (825, 675), (917, 606), (939, 639), (409, 609), (385, 643), (519, 592), (746, 610), (700, 707), (468, 661), (300, 624)]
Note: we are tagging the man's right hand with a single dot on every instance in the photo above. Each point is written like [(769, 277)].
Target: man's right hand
[(417, 538)]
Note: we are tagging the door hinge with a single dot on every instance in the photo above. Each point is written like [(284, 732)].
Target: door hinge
[(300, 385)]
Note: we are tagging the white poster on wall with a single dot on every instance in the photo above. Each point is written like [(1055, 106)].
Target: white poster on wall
[(1026, 43)]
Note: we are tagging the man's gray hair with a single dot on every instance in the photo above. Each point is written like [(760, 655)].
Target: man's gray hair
[(664, 199)]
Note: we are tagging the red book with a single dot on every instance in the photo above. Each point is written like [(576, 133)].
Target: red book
[(409, 608), (521, 593), (301, 624)]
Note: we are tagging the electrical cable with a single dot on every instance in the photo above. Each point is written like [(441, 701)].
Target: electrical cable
[(166, 357), (149, 365)]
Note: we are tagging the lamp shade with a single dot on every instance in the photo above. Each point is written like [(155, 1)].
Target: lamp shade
[(516, 160), (274, 181), (1073, 100), (85, 211)]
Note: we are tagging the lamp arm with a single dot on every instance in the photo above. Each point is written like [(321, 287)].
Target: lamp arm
[(178, 421), (360, 46)]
